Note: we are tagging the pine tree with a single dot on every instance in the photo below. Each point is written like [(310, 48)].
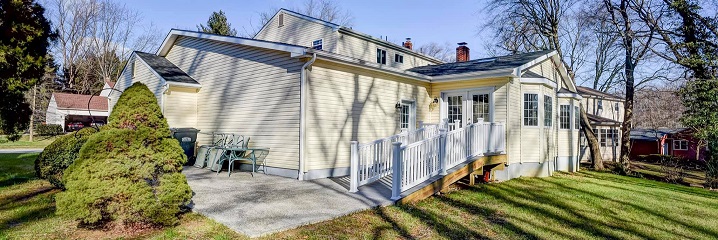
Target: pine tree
[(26, 36), (217, 24)]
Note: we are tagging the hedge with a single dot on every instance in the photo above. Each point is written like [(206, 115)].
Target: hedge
[(49, 129), (130, 172), (57, 156)]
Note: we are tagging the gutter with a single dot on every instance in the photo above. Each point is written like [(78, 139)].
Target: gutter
[(303, 113)]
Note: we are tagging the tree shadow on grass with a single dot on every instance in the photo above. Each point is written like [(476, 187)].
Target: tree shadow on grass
[(15, 180), (25, 208), (445, 227)]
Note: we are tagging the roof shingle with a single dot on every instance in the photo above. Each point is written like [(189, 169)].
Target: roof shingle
[(79, 101), (166, 69), (484, 64)]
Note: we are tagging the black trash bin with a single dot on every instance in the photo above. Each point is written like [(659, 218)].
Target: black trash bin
[(187, 138)]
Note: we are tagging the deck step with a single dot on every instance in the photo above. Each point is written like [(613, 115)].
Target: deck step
[(436, 184)]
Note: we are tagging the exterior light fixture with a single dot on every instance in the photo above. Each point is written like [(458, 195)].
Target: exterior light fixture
[(398, 105)]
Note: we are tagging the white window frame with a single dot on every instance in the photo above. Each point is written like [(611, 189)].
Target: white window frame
[(548, 115), (523, 109), (396, 56), (411, 104), (576, 117), (381, 59), (321, 44), (561, 118), (679, 144), (443, 106)]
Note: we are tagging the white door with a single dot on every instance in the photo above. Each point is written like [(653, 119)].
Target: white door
[(466, 107), (407, 116)]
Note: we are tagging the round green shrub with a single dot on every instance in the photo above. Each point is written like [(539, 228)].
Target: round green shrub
[(130, 172), (57, 156)]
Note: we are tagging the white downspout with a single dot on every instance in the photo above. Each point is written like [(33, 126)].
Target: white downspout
[(164, 92), (303, 114)]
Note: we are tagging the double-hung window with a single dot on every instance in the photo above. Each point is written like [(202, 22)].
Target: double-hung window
[(547, 111), (531, 104), (380, 56), (604, 137), (398, 58), (680, 145), (317, 44), (404, 117), (565, 117), (577, 117)]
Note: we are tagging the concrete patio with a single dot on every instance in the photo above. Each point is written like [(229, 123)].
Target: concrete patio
[(265, 204)]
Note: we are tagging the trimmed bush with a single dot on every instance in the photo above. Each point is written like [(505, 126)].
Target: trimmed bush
[(57, 156), (49, 129), (131, 171)]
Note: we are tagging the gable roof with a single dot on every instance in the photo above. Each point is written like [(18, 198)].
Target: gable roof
[(79, 101), (484, 64), (167, 70), (350, 31), (175, 33), (585, 91), (598, 120), (649, 134)]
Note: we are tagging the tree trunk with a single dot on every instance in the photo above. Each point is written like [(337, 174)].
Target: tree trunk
[(596, 157), (32, 115)]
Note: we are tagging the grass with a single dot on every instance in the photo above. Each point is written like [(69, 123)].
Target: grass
[(24, 142), (586, 205), (693, 177)]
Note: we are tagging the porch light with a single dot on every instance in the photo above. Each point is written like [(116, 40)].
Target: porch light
[(436, 100), (398, 105)]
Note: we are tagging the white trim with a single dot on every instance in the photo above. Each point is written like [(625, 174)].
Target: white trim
[(312, 44), (412, 113), (181, 84), (538, 110), (541, 81), (506, 72), (570, 120), (569, 95), (336, 58), (174, 33), (303, 114), (282, 10)]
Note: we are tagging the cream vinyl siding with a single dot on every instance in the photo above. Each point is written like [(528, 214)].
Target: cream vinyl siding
[(124, 81), (181, 107), (530, 135), (346, 104), (146, 76), (568, 138), (246, 90), (609, 111), (300, 32), (499, 94), (546, 69)]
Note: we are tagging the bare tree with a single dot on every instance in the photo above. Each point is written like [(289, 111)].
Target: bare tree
[(443, 52), (95, 38), (656, 107), (327, 10)]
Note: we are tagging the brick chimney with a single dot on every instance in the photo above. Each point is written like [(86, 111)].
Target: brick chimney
[(462, 52), (408, 44)]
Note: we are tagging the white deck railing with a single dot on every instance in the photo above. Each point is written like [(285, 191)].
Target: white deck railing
[(418, 161)]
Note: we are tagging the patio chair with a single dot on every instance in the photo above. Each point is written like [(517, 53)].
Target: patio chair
[(236, 141), (256, 157), (203, 153)]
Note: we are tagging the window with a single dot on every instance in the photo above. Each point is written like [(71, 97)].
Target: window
[(398, 58), (530, 109), (281, 20), (317, 44), (380, 56), (600, 104), (547, 110), (604, 137), (404, 117), (565, 117), (481, 107), (577, 116), (680, 145), (455, 107)]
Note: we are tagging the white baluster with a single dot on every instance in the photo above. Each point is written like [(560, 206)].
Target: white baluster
[(396, 178), (354, 168)]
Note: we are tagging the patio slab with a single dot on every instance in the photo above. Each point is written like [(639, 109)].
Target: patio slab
[(264, 204)]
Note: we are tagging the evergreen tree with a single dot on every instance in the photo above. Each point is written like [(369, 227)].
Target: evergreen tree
[(217, 24), (26, 36)]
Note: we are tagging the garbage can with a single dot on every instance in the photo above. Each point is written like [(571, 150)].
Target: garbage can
[(187, 138)]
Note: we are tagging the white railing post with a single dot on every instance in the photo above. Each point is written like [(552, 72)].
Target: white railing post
[(354, 168), (493, 137), (442, 150), (421, 124), (397, 171)]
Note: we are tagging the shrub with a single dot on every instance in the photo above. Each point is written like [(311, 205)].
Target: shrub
[(129, 172), (57, 156), (49, 129)]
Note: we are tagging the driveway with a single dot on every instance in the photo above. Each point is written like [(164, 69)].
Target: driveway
[(265, 204)]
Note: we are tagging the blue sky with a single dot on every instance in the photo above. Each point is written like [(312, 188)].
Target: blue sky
[(424, 21)]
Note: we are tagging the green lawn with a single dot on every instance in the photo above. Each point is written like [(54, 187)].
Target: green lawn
[(692, 177), (587, 205), (24, 142)]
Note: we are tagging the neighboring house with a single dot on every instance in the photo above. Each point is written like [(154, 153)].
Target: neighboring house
[(307, 88), (76, 109), (674, 142), (605, 112)]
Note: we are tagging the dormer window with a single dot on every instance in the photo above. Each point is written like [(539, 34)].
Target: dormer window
[(380, 56), (317, 44), (398, 58), (600, 104)]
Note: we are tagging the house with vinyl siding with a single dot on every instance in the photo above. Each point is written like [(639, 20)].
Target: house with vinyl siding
[(307, 89), (605, 112)]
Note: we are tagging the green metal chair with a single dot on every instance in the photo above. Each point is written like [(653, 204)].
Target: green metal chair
[(236, 141), (204, 151)]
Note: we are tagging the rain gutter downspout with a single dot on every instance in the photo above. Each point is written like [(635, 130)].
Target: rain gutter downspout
[(303, 114)]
